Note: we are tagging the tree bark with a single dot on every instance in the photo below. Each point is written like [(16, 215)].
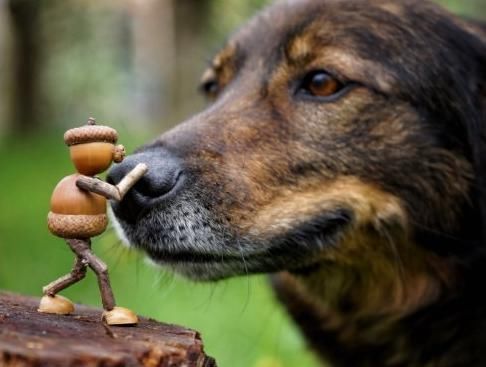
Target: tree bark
[(28, 338)]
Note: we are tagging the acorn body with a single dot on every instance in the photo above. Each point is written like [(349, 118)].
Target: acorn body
[(92, 148), (76, 213), (92, 158)]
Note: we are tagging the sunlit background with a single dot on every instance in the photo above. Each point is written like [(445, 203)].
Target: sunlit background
[(133, 64)]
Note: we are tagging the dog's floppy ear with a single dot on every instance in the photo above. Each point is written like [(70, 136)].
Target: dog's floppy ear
[(458, 100), (481, 166), (476, 125)]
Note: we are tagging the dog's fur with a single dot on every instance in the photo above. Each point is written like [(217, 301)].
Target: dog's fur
[(368, 206)]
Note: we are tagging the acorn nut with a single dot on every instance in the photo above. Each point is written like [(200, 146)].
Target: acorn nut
[(55, 304), (92, 148), (120, 316), (76, 213)]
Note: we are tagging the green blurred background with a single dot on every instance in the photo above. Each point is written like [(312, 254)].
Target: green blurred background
[(135, 65)]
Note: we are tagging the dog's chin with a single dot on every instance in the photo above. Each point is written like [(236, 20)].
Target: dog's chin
[(207, 270), (188, 241)]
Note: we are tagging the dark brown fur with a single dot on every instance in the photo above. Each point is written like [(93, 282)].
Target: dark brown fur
[(367, 206)]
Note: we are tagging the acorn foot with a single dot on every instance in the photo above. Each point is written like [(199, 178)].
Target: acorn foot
[(120, 316), (55, 304)]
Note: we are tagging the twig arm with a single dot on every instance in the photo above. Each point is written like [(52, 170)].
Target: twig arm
[(98, 186), (109, 191), (131, 178)]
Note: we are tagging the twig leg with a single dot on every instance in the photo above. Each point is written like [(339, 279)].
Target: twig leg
[(83, 249), (101, 271), (78, 273)]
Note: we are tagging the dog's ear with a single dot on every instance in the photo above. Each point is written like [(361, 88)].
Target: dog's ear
[(477, 125), (476, 27), (481, 169), (462, 108)]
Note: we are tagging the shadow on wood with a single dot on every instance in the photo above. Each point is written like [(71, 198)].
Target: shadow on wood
[(28, 338)]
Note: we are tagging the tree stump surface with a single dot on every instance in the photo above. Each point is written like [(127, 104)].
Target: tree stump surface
[(29, 338)]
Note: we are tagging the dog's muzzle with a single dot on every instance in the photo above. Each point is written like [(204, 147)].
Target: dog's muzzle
[(163, 178)]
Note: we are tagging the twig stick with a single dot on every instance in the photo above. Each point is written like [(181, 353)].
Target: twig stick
[(108, 330), (131, 178), (77, 273), (99, 187), (82, 248), (109, 191)]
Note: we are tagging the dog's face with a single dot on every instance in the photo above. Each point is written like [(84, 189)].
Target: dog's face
[(333, 137)]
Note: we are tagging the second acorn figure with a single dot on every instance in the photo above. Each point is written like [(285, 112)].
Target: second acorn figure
[(78, 212)]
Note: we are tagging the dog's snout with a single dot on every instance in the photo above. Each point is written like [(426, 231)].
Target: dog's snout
[(164, 173)]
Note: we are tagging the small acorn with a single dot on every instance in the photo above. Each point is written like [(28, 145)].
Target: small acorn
[(120, 316), (55, 304), (92, 147), (76, 213)]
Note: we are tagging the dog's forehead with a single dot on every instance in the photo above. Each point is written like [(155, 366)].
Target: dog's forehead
[(349, 19), (296, 30), (367, 39)]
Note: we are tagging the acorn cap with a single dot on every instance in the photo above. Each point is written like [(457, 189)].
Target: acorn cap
[(90, 133), (76, 226)]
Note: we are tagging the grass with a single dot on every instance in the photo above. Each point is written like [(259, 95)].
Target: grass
[(240, 321)]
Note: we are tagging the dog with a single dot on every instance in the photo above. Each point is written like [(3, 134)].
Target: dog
[(343, 153)]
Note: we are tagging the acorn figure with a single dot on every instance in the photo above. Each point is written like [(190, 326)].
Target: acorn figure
[(78, 212)]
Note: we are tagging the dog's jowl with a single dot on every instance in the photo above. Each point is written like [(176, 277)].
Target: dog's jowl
[(343, 152)]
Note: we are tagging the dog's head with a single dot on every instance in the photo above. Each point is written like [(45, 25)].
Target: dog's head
[(339, 133)]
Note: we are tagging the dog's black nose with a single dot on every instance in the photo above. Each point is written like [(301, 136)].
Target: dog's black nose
[(164, 173)]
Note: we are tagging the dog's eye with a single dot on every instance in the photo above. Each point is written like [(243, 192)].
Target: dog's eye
[(210, 88), (320, 84)]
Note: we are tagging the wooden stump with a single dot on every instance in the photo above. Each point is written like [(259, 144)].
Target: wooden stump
[(28, 338)]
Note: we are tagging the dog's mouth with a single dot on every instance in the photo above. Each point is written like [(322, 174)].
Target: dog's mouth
[(185, 238)]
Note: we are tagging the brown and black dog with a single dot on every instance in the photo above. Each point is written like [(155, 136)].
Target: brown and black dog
[(343, 152)]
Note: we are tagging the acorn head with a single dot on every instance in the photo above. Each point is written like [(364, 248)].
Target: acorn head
[(92, 147), (76, 213)]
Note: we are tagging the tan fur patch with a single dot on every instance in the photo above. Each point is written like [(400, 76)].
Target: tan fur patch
[(392, 8), (300, 48), (318, 51), (222, 66), (374, 266), (369, 204)]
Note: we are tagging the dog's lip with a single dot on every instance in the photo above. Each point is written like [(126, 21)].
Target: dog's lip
[(279, 249), (249, 263), (197, 257)]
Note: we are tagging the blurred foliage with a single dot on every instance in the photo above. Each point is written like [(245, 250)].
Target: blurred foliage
[(470, 8), (88, 69)]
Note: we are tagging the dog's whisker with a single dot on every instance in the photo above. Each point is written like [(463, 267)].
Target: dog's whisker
[(120, 253), (442, 233), (138, 262), (247, 275), (164, 281), (114, 246), (397, 260)]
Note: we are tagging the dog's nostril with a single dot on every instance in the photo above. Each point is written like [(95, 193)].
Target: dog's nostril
[(163, 175), (110, 179), (157, 184)]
